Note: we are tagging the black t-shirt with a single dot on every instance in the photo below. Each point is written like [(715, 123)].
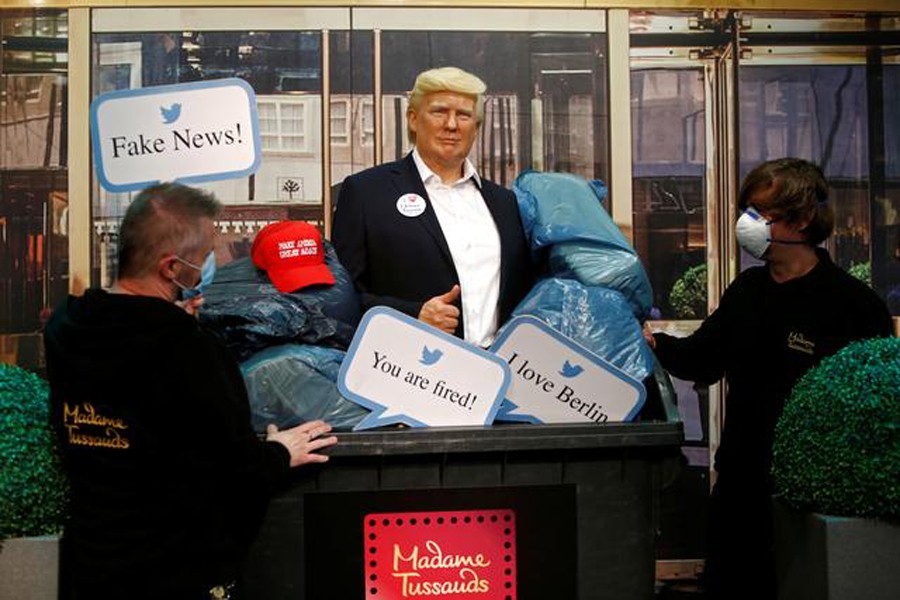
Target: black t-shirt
[(168, 480), (762, 338)]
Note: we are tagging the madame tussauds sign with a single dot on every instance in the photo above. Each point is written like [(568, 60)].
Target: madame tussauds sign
[(460, 554), (191, 132)]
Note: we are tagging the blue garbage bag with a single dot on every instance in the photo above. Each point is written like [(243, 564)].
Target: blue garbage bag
[(244, 309), (598, 318), (292, 384), (560, 207), (563, 213)]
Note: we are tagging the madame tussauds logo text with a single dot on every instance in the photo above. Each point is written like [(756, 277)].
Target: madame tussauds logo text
[(463, 579), (87, 427)]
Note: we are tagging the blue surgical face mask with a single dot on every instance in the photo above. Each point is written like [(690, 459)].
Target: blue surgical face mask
[(207, 274)]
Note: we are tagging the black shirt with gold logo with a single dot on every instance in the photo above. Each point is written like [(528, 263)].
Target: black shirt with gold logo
[(168, 480)]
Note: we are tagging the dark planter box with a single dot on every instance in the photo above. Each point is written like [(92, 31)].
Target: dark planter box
[(586, 499), (821, 557)]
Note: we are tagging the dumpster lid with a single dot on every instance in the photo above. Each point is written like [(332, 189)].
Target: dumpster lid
[(509, 437)]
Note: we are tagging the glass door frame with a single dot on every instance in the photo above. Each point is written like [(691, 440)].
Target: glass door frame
[(707, 42)]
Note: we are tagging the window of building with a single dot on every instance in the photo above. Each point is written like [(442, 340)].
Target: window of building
[(340, 121)]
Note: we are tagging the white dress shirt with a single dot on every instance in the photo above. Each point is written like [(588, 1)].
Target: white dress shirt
[(474, 244)]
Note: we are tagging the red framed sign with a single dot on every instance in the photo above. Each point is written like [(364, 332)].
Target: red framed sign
[(469, 554)]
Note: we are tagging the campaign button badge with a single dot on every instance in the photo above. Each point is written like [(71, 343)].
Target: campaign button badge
[(410, 205)]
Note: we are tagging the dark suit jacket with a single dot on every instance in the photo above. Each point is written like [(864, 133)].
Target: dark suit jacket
[(401, 261)]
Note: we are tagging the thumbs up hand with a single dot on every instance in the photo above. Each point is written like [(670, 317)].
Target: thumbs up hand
[(440, 311)]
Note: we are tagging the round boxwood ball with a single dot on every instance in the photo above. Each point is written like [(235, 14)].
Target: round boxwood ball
[(32, 485), (837, 444)]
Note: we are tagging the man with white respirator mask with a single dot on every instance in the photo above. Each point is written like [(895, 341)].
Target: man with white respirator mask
[(772, 324)]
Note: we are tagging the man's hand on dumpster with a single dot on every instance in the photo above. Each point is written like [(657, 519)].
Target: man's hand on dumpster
[(648, 335), (303, 441), (440, 311)]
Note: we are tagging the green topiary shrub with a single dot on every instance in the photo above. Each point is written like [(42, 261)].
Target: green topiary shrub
[(32, 485), (688, 295), (837, 444), (862, 271)]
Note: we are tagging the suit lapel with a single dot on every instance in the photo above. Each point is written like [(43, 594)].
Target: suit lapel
[(406, 180), (495, 209)]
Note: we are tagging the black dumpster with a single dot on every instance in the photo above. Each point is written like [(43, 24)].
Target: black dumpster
[(585, 500)]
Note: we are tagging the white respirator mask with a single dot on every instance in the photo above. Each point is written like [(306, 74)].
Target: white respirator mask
[(754, 232)]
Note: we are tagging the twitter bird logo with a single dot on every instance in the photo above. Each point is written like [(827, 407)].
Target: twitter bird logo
[(171, 114), (429, 357), (570, 370)]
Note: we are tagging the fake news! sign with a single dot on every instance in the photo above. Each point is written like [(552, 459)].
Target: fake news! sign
[(408, 372), (467, 554), (191, 132), (556, 380)]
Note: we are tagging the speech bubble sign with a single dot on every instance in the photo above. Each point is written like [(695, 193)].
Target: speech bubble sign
[(188, 132), (557, 380), (405, 371)]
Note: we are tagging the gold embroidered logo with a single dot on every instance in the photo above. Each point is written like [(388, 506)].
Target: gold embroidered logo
[(101, 431), (796, 341)]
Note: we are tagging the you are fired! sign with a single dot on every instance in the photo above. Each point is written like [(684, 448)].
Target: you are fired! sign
[(191, 132), (408, 372), (556, 380)]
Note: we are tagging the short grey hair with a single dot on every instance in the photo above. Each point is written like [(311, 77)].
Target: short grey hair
[(163, 219)]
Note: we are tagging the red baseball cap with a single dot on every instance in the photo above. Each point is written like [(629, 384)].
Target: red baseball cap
[(291, 252)]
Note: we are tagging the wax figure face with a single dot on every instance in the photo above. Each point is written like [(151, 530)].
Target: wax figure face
[(445, 126)]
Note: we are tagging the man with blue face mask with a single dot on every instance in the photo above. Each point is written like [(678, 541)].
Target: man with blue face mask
[(207, 274), (168, 481), (772, 324), (171, 255)]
